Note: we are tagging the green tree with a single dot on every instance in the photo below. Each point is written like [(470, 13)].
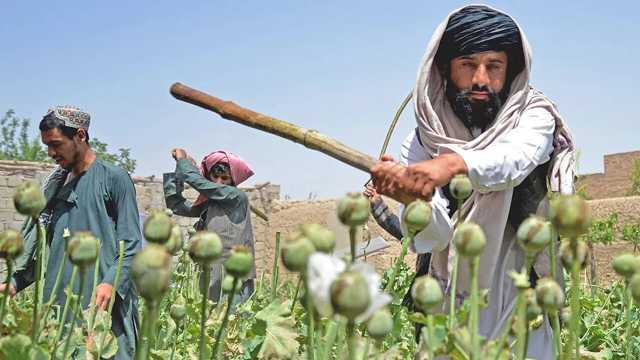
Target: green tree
[(635, 178), (122, 158), (15, 144)]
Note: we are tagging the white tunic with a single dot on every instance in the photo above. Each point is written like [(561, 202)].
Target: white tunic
[(502, 165)]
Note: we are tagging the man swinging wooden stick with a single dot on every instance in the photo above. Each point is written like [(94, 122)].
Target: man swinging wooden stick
[(476, 115)]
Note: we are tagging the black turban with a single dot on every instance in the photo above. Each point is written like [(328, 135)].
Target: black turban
[(476, 29)]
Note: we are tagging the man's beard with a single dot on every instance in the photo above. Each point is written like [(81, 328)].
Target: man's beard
[(475, 114)]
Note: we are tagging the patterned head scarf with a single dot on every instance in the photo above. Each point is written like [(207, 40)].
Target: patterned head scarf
[(239, 169), (71, 116)]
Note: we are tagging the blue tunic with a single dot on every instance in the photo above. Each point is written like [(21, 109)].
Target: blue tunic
[(101, 200)]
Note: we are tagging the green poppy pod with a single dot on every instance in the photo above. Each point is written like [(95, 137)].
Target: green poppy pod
[(296, 251), (426, 293), (350, 294), (239, 263), (534, 234), (11, 244), (570, 214), (416, 216), (83, 249), (178, 309), (29, 199), (157, 227), (626, 265), (533, 308), (175, 242), (380, 324), (205, 247), (567, 257), (227, 284), (469, 239), (460, 187), (151, 271), (353, 209), (549, 295), (323, 239)]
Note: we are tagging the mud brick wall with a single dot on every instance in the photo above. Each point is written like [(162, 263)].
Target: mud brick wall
[(148, 191), (615, 180)]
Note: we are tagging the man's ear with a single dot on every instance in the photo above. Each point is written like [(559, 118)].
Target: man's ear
[(82, 135)]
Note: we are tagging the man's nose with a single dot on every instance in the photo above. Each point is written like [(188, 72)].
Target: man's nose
[(51, 152), (480, 77)]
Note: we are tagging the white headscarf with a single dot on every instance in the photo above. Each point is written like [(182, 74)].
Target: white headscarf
[(441, 131)]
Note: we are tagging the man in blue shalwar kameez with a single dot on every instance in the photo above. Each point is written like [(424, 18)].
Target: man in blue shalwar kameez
[(85, 193)]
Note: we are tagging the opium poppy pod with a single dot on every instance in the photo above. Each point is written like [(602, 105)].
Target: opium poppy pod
[(460, 187), (178, 309), (567, 256), (380, 324), (205, 247), (151, 271), (227, 284), (157, 227), (534, 234), (469, 239), (323, 239), (353, 209), (11, 244), (29, 199), (549, 295), (239, 263), (570, 214), (350, 294), (426, 293), (416, 216), (83, 249), (296, 251), (626, 265), (175, 242)]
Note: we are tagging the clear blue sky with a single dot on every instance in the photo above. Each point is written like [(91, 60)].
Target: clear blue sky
[(340, 67)]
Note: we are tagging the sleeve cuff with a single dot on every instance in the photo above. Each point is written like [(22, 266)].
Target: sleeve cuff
[(110, 278)]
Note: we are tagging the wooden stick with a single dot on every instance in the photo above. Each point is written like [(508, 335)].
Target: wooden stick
[(311, 139)]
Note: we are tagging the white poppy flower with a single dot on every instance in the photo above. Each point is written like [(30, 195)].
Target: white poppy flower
[(323, 269)]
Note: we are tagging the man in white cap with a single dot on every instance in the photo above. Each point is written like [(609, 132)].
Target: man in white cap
[(85, 193)]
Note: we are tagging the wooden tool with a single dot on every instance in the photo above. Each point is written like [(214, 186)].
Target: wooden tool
[(311, 139)]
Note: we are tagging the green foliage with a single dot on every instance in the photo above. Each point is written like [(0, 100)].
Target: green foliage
[(631, 233), (603, 322), (16, 144), (635, 178), (122, 158), (602, 231), (272, 323), (279, 333)]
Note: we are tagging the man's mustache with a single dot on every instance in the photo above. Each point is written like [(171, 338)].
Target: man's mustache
[(477, 88)]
